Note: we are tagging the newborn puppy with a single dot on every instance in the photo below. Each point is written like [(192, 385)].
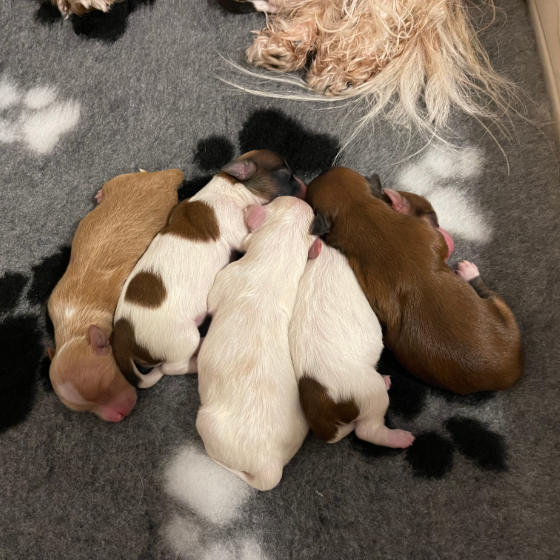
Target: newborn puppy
[(336, 342), (250, 418), (106, 246), (165, 298), (461, 337)]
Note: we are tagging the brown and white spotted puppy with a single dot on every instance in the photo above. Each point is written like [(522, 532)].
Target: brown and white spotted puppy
[(108, 242), (450, 333), (335, 343), (164, 299)]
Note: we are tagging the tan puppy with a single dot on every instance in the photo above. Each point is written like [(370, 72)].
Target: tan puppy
[(106, 246)]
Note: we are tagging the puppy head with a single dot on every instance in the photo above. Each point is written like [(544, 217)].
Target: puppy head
[(333, 193), (414, 205), (285, 217), (138, 366), (266, 174), (85, 377)]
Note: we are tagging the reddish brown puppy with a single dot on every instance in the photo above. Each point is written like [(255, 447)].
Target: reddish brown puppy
[(455, 334)]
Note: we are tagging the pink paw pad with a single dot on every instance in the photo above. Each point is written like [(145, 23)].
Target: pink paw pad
[(387, 379), (467, 270)]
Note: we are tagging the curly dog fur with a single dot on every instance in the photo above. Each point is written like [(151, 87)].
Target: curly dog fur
[(80, 7), (413, 58)]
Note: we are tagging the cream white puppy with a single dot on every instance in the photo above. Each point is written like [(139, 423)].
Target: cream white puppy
[(164, 299), (250, 418), (335, 342)]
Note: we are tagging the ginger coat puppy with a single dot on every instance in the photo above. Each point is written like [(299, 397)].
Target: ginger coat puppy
[(449, 332), (335, 342), (250, 418), (165, 298), (105, 248)]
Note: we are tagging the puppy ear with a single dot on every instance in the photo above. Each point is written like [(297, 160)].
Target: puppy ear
[(241, 169), (255, 216), (375, 184), (98, 340), (315, 249), (398, 201), (321, 225)]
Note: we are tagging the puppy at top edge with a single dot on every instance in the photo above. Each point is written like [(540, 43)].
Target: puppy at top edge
[(335, 343), (108, 241), (448, 329), (250, 418), (164, 300)]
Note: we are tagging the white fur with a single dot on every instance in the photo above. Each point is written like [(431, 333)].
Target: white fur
[(336, 339), (187, 268), (250, 419), (210, 491)]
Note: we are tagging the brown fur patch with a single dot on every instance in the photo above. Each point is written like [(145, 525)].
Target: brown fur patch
[(193, 220), (146, 289), (126, 349), (324, 415)]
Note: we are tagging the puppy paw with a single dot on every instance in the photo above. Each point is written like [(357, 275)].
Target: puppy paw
[(98, 196), (467, 270), (399, 439)]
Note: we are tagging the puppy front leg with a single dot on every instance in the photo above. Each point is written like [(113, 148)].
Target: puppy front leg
[(469, 272), (180, 355)]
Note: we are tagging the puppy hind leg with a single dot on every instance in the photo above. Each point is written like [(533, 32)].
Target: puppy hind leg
[(370, 426), (378, 434)]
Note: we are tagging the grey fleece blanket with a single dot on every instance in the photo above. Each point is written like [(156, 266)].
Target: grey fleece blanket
[(83, 100)]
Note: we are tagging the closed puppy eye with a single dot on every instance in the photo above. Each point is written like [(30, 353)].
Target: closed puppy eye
[(143, 369)]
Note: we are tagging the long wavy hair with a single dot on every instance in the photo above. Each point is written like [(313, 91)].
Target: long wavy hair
[(409, 59)]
